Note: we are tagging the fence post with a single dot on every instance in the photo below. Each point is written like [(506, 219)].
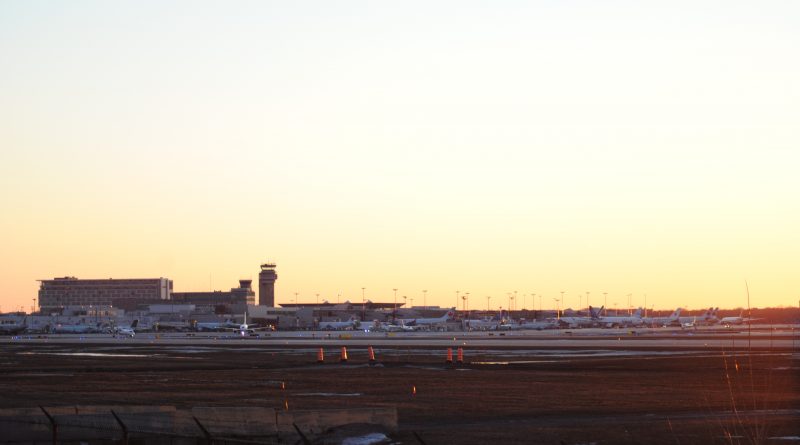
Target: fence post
[(302, 436), (53, 425), (122, 425), (209, 438)]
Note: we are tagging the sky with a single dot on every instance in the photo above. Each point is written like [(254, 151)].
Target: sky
[(618, 148)]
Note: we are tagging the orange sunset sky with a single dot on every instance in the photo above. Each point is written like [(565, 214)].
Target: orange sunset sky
[(484, 147)]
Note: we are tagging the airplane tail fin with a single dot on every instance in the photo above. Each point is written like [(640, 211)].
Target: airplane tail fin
[(135, 323)]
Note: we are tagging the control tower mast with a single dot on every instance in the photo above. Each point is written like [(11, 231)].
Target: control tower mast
[(266, 285)]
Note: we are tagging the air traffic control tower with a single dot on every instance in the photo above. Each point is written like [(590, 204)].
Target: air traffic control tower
[(266, 285)]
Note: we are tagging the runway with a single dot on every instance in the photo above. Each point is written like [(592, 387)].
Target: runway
[(783, 337)]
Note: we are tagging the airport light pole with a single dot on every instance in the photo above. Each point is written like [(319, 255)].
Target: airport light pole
[(457, 300), (605, 303), (467, 300), (629, 303), (488, 297), (317, 299), (395, 302), (587, 299), (425, 298), (363, 303), (645, 305), (558, 313)]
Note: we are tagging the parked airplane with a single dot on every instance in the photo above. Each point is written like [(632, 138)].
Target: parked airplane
[(129, 331), (246, 328), (429, 322), (76, 328), (729, 321), (485, 324), (709, 317), (580, 321), (614, 321), (672, 320), (214, 325), (399, 326), (350, 324), (539, 324), (13, 327)]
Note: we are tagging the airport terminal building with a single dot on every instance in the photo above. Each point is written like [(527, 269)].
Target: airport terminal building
[(241, 295), (126, 293)]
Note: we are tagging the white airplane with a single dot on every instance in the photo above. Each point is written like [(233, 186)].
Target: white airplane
[(539, 324), (429, 322), (672, 320), (617, 321), (13, 327), (729, 321), (397, 326), (580, 321), (709, 317), (213, 325), (485, 324), (76, 329), (350, 324), (128, 331), (245, 328)]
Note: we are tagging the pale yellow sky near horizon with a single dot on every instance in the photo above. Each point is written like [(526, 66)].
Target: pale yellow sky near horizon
[(535, 147)]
